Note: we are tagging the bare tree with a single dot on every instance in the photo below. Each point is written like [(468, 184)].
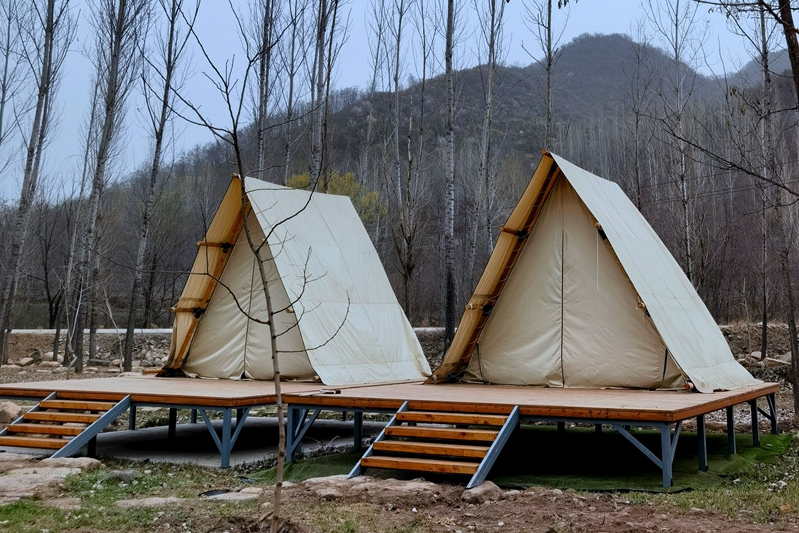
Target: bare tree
[(490, 17), (119, 25), (681, 31), (51, 29), (171, 49), (449, 177), (539, 21)]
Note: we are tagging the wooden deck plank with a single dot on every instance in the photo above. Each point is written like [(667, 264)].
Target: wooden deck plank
[(483, 435), (600, 404), (420, 465), (438, 417), (45, 429), (431, 448), (34, 442)]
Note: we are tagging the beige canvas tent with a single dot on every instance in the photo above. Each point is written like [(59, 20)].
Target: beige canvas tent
[(339, 319), (580, 292)]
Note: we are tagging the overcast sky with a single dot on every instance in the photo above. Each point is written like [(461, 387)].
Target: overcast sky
[(216, 28)]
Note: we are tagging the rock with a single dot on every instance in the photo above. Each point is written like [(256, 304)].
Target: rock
[(65, 504), (557, 492), (755, 355), (86, 464), (48, 356), (252, 490), (768, 362), (43, 371), (10, 369), (116, 362), (60, 472), (37, 354), (486, 492), (784, 357), (90, 369), (511, 495), (235, 497), (98, 362), (60, 370), (112, 370), (149, 502), (122, 476), (9, 411), (25, 361), (49, 364)]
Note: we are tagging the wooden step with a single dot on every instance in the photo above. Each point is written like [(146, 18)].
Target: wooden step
[(436, 417), (56, 416), (76, 405), (482, 435), (33, 442), (46, 429), (440, 466), (431, 448)]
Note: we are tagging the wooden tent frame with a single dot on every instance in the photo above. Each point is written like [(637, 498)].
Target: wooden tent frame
[(212, 257), (512, 238)]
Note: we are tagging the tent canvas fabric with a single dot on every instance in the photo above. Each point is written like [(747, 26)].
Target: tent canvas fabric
[(581, 292), (336, 315)]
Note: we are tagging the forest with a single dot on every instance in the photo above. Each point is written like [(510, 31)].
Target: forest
[(433, 155)]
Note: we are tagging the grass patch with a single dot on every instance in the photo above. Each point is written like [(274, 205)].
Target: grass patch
[(323, 466), (582, 460)]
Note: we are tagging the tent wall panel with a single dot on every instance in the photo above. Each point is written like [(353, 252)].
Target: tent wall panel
[(630, 317)]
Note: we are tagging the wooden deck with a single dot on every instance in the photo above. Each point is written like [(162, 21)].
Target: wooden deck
[(595, 404)]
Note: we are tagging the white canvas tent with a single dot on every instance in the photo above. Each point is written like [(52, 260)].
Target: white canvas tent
[(580, 292), (339, 318)]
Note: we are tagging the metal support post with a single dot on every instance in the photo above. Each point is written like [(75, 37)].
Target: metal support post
[(194, 416), (173, 422), (357, 430), (772, 407), (132, 418), (755, 424), (730, 431), (344, 416), (91, 447), (227, 416), (701, 439), (667, 454)]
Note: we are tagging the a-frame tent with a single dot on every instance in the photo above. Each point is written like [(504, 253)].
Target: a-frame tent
[(337, 317), (581, 292)]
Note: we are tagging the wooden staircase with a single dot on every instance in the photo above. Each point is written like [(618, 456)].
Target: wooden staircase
[(63, 425), (440, 442)]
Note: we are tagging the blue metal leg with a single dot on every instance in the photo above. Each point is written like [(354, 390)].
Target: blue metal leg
[(731, 449), (701, 439), (755, 424), (357, 431), (173, 422), (667, 456), (91, 449), (772, 407), (344, 416), (227, 416), (132, 418)]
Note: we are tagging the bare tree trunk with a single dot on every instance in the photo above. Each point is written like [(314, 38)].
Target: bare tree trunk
[(449, 165), (317, 101), (121, 22), (56, 32), (171, 54), (264, 80)]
